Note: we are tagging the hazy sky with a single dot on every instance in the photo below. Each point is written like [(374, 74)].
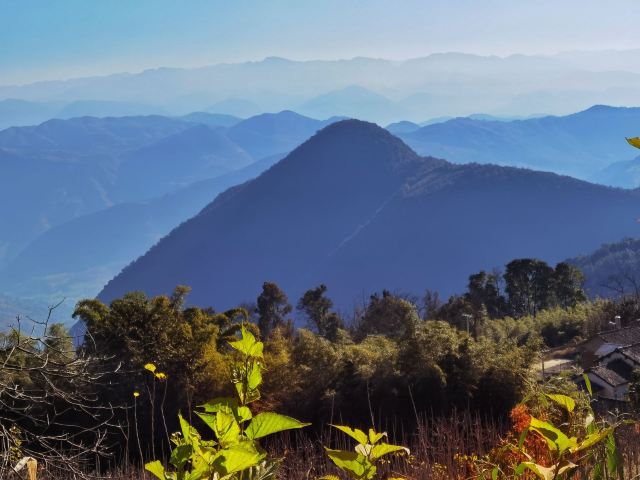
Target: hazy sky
[(47, 39)]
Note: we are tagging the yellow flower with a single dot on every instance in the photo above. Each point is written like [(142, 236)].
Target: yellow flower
[(151, 367), (161, 376), (136, 394)]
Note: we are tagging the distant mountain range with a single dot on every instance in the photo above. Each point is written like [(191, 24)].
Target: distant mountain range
[(580, 145), (81, 198), (384, 91), (612, 270), (357, 209)]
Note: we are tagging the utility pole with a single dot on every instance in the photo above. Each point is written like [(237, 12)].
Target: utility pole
[(467, 317)]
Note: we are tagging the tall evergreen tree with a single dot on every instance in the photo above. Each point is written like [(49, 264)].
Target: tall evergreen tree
[(530, 285), (317, 307), (273, 306)]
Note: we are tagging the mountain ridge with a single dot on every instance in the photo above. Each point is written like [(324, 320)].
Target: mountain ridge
[(357, 209)]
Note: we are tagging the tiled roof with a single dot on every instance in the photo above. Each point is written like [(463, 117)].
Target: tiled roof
[(615, 373), (622, 336), (633, 352)]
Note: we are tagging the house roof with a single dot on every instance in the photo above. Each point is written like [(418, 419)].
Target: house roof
[(615, 373), (622, 336), (632, 352)]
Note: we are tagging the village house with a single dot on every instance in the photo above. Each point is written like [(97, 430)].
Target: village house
[(609, 360)]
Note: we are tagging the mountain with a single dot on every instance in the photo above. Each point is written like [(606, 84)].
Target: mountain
[(624, 174), (212, 119), (63, 169), (272, 133), (90, 135), (75, 259), (36, 193), (28, 309), (440, 84), (399, 128), (236, 107), (14, 112), (353, 102), (579, 145), (106, 108), (197, 153), (611, 270), (357, 209)]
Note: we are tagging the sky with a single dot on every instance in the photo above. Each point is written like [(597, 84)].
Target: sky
[(45, 39)]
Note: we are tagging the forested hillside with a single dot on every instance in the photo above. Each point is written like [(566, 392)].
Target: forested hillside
[(358, 210)]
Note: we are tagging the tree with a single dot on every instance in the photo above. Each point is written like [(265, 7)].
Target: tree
[(430, 304), (530, 285), (388, 315), (483, 290), (317, 307), (273, 307), (569, 283)]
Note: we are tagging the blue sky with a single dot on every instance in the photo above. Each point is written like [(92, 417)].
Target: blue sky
[(46, 39)]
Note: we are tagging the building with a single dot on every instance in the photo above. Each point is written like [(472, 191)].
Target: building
[(610, 362)]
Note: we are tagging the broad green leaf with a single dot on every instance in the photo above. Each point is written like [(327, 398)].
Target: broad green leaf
[(188, 432), (564, 401), (180, 456), (352, 462), (226, 428), (329, 477), (228, 405), (224, 425), (545, 473), (556, 440), (254, 376), (357, 434), (384, 448), (220, 403), (248, 345), (634, 141), (494, 473), (156, 468), (375, 437), (267, 423), (237, 458), (615, 462), (592, 439)]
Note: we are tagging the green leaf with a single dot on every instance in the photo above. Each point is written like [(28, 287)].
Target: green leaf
[(188, 432), (358, 465), (384, 448), (237, 458), (228, 405), (358, 435), (523, 437), (545, 473), (564, 401), (267, 423), (556, 440), (248, 345), (224, 426), (634, 141), (156, 468), (375, 437), (592, 439), (587, 382), (180, 455), (615, 462)]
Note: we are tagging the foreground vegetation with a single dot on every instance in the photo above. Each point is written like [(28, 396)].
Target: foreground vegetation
[(452, 381)]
